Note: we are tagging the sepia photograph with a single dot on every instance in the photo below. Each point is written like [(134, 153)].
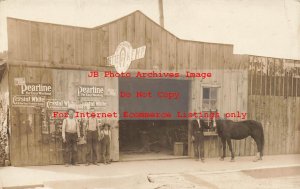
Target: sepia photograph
[(150, 94)]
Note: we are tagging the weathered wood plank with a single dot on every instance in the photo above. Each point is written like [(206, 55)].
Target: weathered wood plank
[(149, 45), (13, 39), (38, 156), (87, 59), (69, 45), (172, 55), (57, 44), (35, 44), (140, 39), (24, 41), (104, 41), (78, 46), (164, 51)]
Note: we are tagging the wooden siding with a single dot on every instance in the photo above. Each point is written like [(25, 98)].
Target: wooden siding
[(29, 144), (51, 45), (274, 99)]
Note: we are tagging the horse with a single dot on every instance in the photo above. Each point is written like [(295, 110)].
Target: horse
[(228, 129)]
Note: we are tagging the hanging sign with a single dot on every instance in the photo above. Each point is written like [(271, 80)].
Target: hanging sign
[(124, 55)]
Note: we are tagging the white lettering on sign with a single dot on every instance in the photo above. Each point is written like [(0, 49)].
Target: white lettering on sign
[(19, 81), (124, 55), (36, 89), (56, 104), (85, 105), (28, 101), (90, 91)]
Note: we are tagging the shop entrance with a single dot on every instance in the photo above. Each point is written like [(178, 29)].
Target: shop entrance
[(148, 127)]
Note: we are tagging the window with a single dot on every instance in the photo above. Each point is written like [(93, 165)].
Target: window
[(209, 99), (210, 104)]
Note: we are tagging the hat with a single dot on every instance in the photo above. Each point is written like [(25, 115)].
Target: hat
[(71, 106), (73, 109)]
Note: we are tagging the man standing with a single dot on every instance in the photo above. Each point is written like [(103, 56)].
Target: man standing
[(70, 135), (198, 126), (91, 135), (105, 137)]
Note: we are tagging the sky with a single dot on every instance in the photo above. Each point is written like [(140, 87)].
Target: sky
[(257, 27)]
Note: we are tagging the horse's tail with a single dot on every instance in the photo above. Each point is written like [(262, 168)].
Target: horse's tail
[(262, 140)]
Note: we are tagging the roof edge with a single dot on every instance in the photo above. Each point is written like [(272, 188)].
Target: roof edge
[(116, 20), (24, 20)]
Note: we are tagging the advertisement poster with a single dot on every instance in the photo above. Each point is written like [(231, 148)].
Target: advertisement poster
[(150, 94)]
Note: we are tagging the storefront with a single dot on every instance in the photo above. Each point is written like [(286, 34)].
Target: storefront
[(129, 66)]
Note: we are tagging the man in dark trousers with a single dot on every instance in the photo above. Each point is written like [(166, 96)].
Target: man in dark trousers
[(105, 137), (198, 126), (70, 135), (91, 135)]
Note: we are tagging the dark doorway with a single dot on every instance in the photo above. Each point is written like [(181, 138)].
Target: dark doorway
[(147, 138)]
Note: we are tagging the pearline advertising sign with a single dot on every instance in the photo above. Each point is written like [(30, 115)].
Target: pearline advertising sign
[(30, 94), (90, 91), (36, 89)]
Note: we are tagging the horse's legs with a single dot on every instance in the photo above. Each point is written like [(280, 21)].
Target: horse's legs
[(230, 148), (259, 148), (196, 149), (224, 148)]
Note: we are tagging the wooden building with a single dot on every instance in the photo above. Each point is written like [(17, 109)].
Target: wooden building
[(53, 61)]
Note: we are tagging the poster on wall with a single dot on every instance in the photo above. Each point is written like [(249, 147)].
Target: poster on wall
[(45, 126), (28, 100), (57, 104), (19, 81), (29, 94), (90, 91), (36, 89)]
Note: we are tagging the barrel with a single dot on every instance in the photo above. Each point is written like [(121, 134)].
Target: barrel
[(178, 149)]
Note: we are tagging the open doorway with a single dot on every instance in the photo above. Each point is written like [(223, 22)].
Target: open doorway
[(153, 138)]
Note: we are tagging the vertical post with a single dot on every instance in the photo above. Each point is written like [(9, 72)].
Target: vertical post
[(161, 13)]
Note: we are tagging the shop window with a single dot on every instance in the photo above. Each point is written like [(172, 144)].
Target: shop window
[(210, 104)]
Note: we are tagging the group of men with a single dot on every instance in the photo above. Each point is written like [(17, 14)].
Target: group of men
[(93, 133)]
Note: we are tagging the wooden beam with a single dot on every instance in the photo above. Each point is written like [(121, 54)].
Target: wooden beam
[(161, 13)]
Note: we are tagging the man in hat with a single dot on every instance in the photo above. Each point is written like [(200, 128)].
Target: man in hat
[(91, 134), (198, 125), (70, 135)]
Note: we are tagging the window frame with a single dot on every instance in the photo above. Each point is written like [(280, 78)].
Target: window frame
[(211, 131)]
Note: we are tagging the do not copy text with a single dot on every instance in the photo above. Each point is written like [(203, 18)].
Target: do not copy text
[(168, 95)]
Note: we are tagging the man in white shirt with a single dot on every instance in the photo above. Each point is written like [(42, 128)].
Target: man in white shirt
[(70, 135)]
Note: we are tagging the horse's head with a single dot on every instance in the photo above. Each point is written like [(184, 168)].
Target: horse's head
[(204, 124), (219, 124)]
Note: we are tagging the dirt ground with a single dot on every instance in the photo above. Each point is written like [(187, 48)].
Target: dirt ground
[(281, 171)]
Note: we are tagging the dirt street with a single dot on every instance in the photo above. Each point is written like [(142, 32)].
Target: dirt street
[(272, 172)]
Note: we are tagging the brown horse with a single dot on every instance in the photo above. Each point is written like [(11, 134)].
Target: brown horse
[(228, 130)]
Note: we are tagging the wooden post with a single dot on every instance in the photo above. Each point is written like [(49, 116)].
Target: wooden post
[(161, 13)]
